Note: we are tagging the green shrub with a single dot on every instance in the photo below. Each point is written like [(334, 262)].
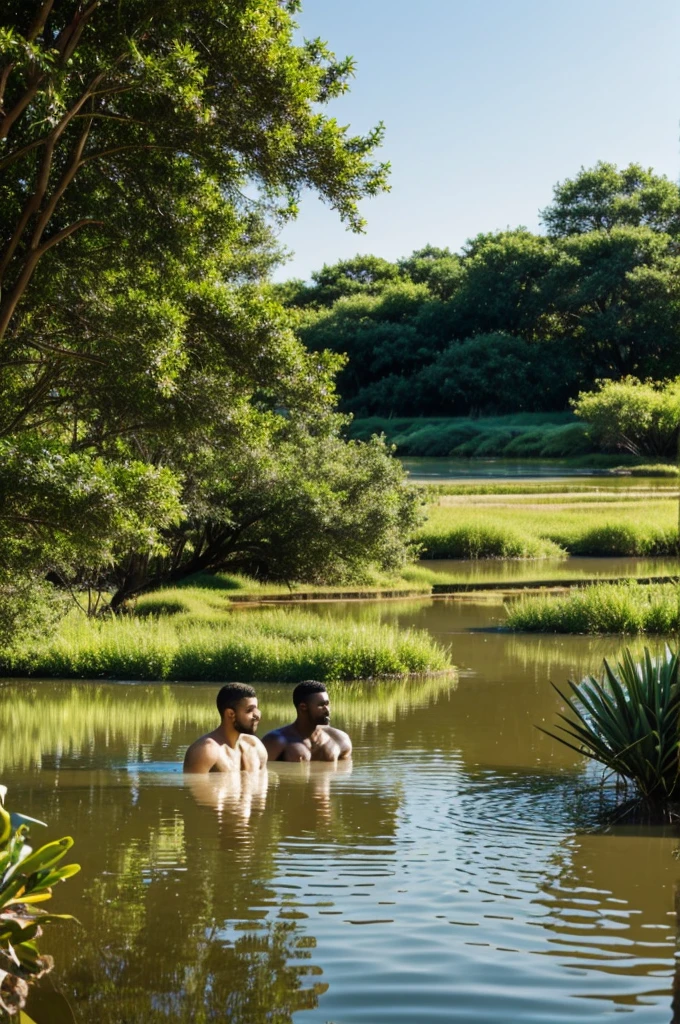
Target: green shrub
[(640, 417)]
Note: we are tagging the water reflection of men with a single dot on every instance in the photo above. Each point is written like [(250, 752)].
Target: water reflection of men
[(233, 795), (233, 745), (309, 737)]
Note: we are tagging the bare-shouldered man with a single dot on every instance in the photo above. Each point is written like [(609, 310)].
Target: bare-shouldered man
[(309, 737), (233, 745)]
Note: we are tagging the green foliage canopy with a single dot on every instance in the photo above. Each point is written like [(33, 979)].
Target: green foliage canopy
[(516, 322), (158, 412), (640, 417)]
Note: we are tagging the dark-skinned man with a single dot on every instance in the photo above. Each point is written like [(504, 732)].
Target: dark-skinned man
[(309, 737), (233, 745)]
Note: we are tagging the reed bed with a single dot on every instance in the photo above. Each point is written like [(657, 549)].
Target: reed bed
[(283, 645), (645, 528), (628, 607)]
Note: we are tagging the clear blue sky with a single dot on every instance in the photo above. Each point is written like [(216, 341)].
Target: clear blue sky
[(487, 104)]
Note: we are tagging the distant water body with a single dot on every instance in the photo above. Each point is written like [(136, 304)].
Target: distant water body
[(422, 469)]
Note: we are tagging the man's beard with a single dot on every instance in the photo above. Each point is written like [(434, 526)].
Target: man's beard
[(247, 729)]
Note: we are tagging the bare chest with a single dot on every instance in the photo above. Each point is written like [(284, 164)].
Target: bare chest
[(241, 759), (324, 748)]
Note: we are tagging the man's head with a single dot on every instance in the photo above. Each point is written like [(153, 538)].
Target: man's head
[(237, 705), (311, 700)]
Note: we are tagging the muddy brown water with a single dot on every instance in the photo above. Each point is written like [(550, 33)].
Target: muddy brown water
[(457, 871)]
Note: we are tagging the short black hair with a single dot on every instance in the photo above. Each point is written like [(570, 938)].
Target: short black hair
[(230, 695), (305, 689)]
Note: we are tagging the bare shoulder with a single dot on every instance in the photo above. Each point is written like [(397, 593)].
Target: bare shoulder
[(336, 734), (275, 734), (254, 741), (274, 743), (202, 754), (341, 738)]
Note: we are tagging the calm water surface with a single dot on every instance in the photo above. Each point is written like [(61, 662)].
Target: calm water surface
[(575, 567), (433, 469), (457, 871)]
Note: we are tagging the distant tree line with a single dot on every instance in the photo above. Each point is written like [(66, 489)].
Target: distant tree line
[(516, 322)]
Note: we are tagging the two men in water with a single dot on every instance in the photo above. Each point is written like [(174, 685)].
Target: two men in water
[(233, 745)]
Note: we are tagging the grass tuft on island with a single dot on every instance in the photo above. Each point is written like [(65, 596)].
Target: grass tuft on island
[(628, 607), (645, 527), (204, 643)]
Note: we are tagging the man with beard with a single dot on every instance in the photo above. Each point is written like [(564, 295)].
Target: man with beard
[(233, 745), (310, 737)]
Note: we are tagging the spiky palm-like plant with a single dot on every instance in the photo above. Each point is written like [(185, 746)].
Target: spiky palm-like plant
[(629, 721)]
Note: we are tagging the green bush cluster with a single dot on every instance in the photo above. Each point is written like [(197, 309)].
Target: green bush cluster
[(278, 645), (628, 607), (523, 435)]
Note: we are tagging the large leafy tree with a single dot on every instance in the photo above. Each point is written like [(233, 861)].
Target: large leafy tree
[(147, 151), (603, 197)]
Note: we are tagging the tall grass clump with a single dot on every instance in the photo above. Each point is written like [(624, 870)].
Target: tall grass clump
[(647, 527), (629, 721), (255, 646), (445, 537), (628, 607)]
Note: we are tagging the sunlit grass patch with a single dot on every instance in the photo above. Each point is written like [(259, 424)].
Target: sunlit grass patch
[(628, 607), (284, 645), (525, 531)]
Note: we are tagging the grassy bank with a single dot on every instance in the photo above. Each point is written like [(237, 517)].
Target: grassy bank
[(609, 486), (533, 530), (203, 595), (603, 608), (212, 645)]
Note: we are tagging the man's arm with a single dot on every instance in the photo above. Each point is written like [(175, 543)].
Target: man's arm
[(201, 756)]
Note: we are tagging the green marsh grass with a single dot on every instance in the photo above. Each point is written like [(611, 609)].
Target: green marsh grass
[(524, 530), (628, 607), (284, 645), (599, 486)]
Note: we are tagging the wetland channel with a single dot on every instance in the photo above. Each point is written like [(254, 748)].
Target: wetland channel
[(459, 871)]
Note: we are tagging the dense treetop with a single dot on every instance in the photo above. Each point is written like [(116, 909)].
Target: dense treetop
[(158, 414), (516, 321)]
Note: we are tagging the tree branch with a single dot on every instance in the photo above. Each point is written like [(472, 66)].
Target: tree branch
[(39, 21), (26, 274)]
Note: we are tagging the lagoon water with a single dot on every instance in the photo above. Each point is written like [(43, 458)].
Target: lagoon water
[(423, 469), (459, 871), (516, 570)]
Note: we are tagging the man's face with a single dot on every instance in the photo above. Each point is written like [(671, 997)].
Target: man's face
[(247, 716), (319, 708)]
